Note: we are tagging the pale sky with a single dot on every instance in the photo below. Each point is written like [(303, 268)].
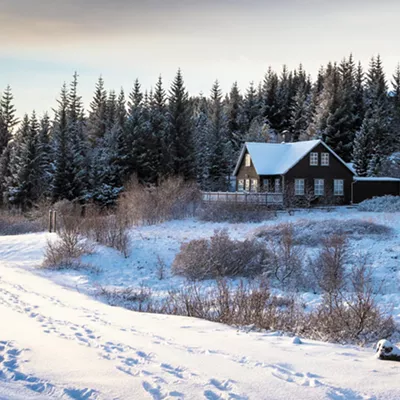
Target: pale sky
[(45, 41)]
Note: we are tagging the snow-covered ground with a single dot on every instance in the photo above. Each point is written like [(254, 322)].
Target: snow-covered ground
[(57, 341)]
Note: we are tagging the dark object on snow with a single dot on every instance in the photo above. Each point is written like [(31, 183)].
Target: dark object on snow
[(387, 351)]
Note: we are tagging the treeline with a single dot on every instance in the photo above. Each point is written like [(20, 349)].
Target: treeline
[(89, 155)]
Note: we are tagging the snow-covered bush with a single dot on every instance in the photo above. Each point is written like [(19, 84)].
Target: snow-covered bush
[(173, 198), (381, 204), (220, 256), (235, 212), (312, 233), (136, 299)]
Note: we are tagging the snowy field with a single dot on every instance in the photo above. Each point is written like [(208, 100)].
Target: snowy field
[(59, 341)]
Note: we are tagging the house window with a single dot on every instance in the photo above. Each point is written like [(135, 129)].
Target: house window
[(247, 185), (254, 185), (240, 187), (338, 187), (299, 187), (277, 185), (319, 187), (314, 159), (266, 185), (247, 161), (325, 159)]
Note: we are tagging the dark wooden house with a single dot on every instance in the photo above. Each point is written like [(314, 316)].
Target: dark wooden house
[(306, 173)]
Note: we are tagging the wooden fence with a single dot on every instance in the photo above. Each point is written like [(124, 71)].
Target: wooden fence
[(243, 197)]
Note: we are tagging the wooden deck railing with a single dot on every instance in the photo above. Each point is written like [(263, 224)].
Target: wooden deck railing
[(244, 197)]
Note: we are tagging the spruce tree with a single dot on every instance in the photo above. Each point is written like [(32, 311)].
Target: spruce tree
[(251, 106), (235, 115), (8, 119), (97, 123), (180, 125), (220, 149), (64, 170)]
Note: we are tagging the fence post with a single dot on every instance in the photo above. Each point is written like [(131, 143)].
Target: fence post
[(51, 221), (55, 221)]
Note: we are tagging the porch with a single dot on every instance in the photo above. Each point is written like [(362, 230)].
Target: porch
[(265, 198)]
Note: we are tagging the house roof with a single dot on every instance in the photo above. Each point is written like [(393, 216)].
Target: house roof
[(277, 159)]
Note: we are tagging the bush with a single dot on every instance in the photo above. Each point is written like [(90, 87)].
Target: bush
[(17, 224), (220, 256), (351, 315), (66, 251), (312, 233), (235, 212), (285, 263), (381, 204), (329, 266), (174, 198), (95, 224), (137, 299)]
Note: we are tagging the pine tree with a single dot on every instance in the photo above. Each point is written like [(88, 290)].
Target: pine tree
[(45, 157), (7, 118), (180, 123), (160, 130), (219, 145), (251, 106), (234, 111), (64, 171), (395, 98), (23, 181), (300, 111), (341, 122), (97, 123), (362, 149), (270, 101), (377, 117), (202, 129)]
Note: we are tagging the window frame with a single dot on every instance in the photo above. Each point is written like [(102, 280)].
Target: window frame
[(335, 193), (314, 159), (253, 185), (240, 186), (247, 185), (302, 187), (323, 164), (277, 185), (247, 160), (319, 180), (266, 185)]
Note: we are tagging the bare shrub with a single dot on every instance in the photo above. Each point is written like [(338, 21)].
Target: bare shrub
[(312, 233), (161, 268), (66, 251), (329, 266), (220, 256), (95, 224), (351, 315), (235, 212), (285, 263), (15, 223), (137, 299), (174, 198)]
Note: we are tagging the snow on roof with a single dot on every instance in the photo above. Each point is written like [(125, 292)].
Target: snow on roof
[(350, 165), (274, 158), (376, 179)]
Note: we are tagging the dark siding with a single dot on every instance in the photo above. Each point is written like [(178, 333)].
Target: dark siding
[(335, 170), (246, 172), (363, 190)]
